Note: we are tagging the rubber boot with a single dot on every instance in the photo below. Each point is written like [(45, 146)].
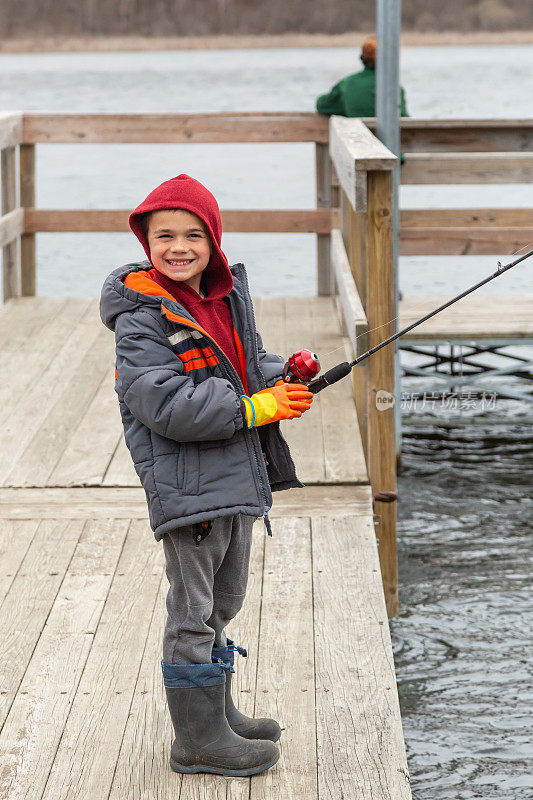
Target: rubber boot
[(204, 740), (261, 728)]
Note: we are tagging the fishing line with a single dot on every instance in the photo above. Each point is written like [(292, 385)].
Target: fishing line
[(522, 248), (365, 333), (416, 308)]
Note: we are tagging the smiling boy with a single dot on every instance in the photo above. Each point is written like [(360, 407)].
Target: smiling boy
[(201, 401)]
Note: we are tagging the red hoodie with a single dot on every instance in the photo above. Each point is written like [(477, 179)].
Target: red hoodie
[(213, 312)]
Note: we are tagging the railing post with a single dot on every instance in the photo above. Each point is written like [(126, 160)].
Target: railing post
[(381, 458), (9, 203), (364, 167), (368, 241), (323, 200), (27, 240)]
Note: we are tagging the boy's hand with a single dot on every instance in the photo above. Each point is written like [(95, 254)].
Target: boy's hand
[(282, 401)]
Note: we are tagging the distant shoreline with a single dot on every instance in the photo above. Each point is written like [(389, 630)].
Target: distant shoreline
[(88, 44)]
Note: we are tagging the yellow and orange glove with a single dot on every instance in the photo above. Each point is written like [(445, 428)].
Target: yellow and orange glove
[(282, 401)]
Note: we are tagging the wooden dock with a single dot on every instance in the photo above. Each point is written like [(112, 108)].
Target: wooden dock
[(82, 586)]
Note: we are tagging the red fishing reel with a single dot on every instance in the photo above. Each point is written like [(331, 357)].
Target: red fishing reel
[(302, 367)]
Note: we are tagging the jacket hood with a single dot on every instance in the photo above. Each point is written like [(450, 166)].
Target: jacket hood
[(184, 192)]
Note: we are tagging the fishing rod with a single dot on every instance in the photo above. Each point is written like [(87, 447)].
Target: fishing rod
[(299, 362)]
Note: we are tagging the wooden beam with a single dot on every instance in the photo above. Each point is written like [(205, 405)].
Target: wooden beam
[(10, 129), (463, 241), (467, 139), (466, 217), (319, 220), (11, 226), (460, 168), (28, 275), (464, 135), (416, 237), (174, 128), (381, 385), (9, 202), (354, 150), (245, 221), (353, 311), (418, 135)]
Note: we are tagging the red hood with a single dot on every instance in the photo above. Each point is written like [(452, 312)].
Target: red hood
[(190, 195)]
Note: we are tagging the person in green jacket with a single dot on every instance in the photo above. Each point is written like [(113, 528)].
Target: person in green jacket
[(355, 95)]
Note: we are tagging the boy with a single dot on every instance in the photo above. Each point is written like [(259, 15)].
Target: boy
[(200, 401)]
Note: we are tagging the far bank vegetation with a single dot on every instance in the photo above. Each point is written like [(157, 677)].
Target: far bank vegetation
[(20, 19)]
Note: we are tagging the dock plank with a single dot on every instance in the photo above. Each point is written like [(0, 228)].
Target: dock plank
[(35, 723), (25, 610), (142, 765), (86, 758), (93, 443), (286, 680), (11, 557), (359, 728)]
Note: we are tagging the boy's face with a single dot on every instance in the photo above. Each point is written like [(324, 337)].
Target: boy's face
[(180, 246)]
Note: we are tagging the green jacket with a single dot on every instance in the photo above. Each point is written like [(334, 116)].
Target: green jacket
[(355, 96)]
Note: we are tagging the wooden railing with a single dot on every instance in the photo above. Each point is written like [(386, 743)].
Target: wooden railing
[(496, 151), (436, 151)]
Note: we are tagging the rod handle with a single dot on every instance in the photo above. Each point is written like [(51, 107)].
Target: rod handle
[(331, 376)]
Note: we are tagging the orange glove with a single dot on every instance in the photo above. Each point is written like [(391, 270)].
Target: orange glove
[(282, 401)]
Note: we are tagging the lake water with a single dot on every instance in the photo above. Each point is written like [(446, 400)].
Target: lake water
[(465, 506)]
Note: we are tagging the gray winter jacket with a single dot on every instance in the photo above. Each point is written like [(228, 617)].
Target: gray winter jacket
[(183, 420)]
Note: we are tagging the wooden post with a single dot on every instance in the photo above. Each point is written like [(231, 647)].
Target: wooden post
[(381, 458), (368, 241), (9, 202), (364, 167), (27, 240), (323, 200)]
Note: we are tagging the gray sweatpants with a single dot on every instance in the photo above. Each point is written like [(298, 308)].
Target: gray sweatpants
[(208, 581)]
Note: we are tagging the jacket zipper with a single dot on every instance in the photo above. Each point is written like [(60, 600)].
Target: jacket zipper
[(233, 374)]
